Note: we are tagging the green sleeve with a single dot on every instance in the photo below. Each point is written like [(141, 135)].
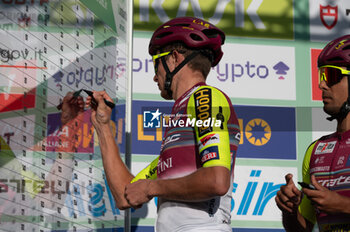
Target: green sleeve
[(208, 104), (149, 172), (305, 208)]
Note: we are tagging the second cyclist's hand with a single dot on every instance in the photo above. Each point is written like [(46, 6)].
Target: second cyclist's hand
[(288, 197), (326, 200)]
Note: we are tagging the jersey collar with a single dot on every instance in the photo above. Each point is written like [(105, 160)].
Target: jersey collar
[(189, 92)]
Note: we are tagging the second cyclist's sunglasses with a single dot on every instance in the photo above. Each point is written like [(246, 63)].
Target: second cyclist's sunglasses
[(155, 59), (331, 74)]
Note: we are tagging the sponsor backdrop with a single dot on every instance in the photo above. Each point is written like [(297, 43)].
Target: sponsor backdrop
[(269, 70), (51, 172)]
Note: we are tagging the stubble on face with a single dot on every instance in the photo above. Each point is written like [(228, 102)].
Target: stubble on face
[(334, 97)]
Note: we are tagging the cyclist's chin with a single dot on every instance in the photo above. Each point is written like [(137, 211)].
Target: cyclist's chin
[(164, 94), (331, 109)]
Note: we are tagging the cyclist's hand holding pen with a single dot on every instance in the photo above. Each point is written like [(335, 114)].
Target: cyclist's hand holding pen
[(109, 103), (99, 101), (93, 104), (101, 105)]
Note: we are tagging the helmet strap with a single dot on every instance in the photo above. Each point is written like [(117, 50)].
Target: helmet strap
[(169, 75), (345, 108)]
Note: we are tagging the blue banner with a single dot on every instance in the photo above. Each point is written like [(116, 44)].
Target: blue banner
[(266, 132)]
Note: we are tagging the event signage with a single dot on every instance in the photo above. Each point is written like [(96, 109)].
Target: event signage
[(254, 18)]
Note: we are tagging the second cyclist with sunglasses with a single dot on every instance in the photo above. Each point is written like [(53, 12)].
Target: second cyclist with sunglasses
[(326, 163)]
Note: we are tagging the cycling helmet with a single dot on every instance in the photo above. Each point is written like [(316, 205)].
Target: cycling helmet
[(337, 52), (193, 32)]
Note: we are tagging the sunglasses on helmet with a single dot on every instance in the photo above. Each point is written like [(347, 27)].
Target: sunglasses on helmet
[(155, 59), (331, 74)]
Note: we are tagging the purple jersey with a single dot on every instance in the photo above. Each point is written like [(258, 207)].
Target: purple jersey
[(328, 159)]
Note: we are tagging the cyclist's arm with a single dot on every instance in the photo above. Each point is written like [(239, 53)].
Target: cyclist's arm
[(203, 184), (117, 174)]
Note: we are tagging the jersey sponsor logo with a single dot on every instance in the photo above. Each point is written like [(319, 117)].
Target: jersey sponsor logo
[(163, 165), (341, 160), (320, 169), (203, 100), (342, 180), (209, 153), (325, 148), (170, 139), (221, 117), (319, 160), (238, 136), (151, 172), (209, 139)]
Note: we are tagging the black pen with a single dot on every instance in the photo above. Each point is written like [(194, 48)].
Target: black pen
[(93, 101)]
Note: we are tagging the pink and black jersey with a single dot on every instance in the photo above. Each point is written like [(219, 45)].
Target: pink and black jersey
[(328, 159), (202, 131)]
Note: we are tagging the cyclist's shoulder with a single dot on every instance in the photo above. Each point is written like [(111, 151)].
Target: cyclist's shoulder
[(209, 91)]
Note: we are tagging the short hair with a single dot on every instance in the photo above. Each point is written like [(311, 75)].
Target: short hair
[(201, 62)]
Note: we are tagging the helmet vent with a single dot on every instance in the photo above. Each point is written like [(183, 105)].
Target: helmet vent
[(164, 34), (346, 48), (196, 37), (210, 33), (182, 25), (335, 59)]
